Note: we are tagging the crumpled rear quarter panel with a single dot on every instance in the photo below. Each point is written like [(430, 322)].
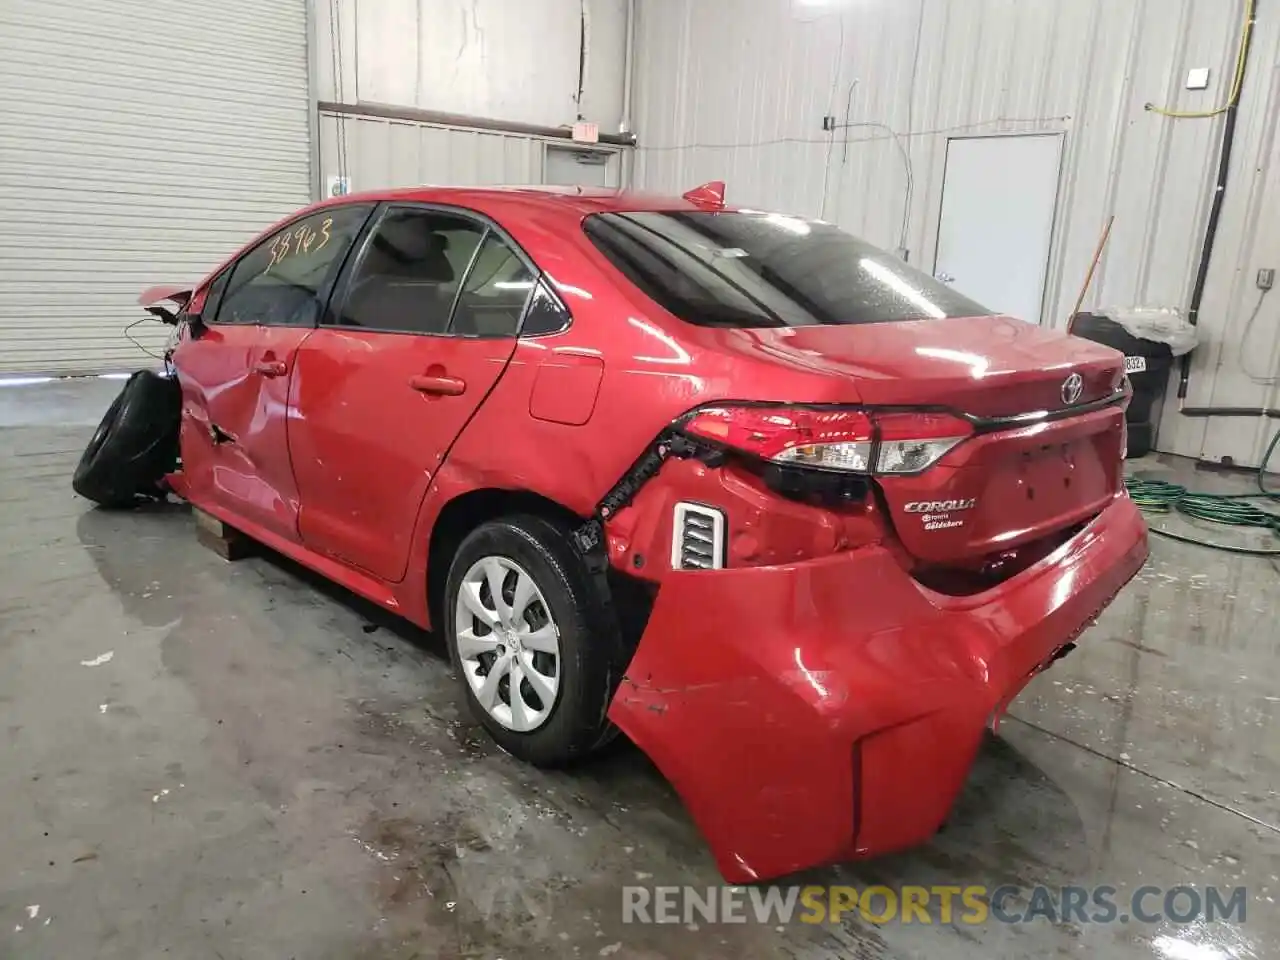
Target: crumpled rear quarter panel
[(831, 709)]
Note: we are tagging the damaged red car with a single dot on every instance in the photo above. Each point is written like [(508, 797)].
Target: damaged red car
[(795, 517)]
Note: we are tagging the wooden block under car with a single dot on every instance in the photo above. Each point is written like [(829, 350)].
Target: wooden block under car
[(225, 541)]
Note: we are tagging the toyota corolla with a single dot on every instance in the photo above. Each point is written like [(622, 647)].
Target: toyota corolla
[(793, 516)]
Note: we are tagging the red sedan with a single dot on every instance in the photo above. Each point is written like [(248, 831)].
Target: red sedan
[(795, 517)]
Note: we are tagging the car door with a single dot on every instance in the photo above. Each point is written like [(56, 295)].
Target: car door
[(235, 372), (424, 325)]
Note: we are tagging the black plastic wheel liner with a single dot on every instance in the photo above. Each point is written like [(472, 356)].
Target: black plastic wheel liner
[(135, 445)]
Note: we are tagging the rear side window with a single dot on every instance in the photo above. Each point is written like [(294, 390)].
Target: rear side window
[(493, 298), (546, 313), (739, 269), (410, 272), (285, 280)]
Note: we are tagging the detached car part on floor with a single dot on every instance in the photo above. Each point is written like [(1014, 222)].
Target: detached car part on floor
[(135, 445), (795, 517)]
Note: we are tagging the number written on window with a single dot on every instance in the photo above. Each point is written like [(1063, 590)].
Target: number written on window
[(302, 240), (285, 279)]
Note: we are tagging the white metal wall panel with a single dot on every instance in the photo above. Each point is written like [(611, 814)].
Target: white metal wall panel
[(141, 141), (512, 60), (374, 153), (574, 167), (737, 91)]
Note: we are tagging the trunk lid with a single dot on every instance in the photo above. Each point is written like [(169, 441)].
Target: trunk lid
[(1000, 491), (1012, 483), (985, 366)]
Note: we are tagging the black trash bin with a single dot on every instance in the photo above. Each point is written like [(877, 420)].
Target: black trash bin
[(1147, 363)]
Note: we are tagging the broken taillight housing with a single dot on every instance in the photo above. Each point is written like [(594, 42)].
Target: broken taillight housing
[(831, 438)]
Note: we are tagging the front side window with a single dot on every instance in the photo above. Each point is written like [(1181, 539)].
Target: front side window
[(286, 278), (213, 299), (740, 269), (410, 272)]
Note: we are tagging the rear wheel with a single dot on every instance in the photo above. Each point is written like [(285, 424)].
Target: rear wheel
[(534, 651)]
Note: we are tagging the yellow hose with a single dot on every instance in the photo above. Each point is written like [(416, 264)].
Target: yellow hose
[(1236, 84)]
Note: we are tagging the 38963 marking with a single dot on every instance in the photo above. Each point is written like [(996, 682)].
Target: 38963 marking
[(300, 240)]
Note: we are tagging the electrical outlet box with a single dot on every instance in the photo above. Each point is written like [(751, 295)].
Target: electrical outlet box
[(1198, 78), (1266, 278), (828, 123)]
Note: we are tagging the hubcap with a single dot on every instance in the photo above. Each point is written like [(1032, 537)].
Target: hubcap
[(508, 644)]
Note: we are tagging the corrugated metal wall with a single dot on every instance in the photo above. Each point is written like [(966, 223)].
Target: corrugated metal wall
[(374, 152), (503, 60), (738, 91), (392, 153), (141, 141)]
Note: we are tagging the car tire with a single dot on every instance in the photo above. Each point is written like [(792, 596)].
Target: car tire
[(134, 446), (588, 666)]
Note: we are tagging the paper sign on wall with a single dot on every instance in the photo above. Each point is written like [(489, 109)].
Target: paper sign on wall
[(584, 132)]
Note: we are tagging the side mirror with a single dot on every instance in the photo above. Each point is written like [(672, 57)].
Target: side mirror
[(196, 324)]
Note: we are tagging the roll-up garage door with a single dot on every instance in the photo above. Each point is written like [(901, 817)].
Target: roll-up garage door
[(141, 141)]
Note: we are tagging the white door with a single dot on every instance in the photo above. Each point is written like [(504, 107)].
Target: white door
[(998, 200), (577, 167)]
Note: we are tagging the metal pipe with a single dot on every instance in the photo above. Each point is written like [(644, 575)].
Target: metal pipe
[(628, 67), (313, 100), (384, 111), (1215, 210), (584, 52), (1268, 412)]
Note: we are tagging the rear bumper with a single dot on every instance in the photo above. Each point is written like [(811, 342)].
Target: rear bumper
[(831, 709)]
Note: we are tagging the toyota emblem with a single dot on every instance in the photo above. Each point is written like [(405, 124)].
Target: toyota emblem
[(1072, 389)]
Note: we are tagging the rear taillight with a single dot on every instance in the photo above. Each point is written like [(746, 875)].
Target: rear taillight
[(829, 439), (833, 439), (911, 442)]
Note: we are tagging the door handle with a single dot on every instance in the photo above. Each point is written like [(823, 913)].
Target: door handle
[(440, 386), (271, 368)]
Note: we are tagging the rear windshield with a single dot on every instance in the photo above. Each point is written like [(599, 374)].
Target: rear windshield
[(746, 269)]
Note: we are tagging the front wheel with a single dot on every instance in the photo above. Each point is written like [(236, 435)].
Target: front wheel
[(534, 650), (135, 445)]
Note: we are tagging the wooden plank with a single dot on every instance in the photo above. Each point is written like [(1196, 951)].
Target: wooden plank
[(225, 541)]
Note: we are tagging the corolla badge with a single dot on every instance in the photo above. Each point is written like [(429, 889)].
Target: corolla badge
[(1072, 389), (939, 506)]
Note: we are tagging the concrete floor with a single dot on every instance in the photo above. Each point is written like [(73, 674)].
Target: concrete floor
[(211, 760)]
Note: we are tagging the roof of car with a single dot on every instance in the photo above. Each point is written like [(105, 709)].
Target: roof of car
[(495, 200)]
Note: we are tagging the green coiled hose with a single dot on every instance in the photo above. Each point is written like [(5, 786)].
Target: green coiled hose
[(1231, 509)]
